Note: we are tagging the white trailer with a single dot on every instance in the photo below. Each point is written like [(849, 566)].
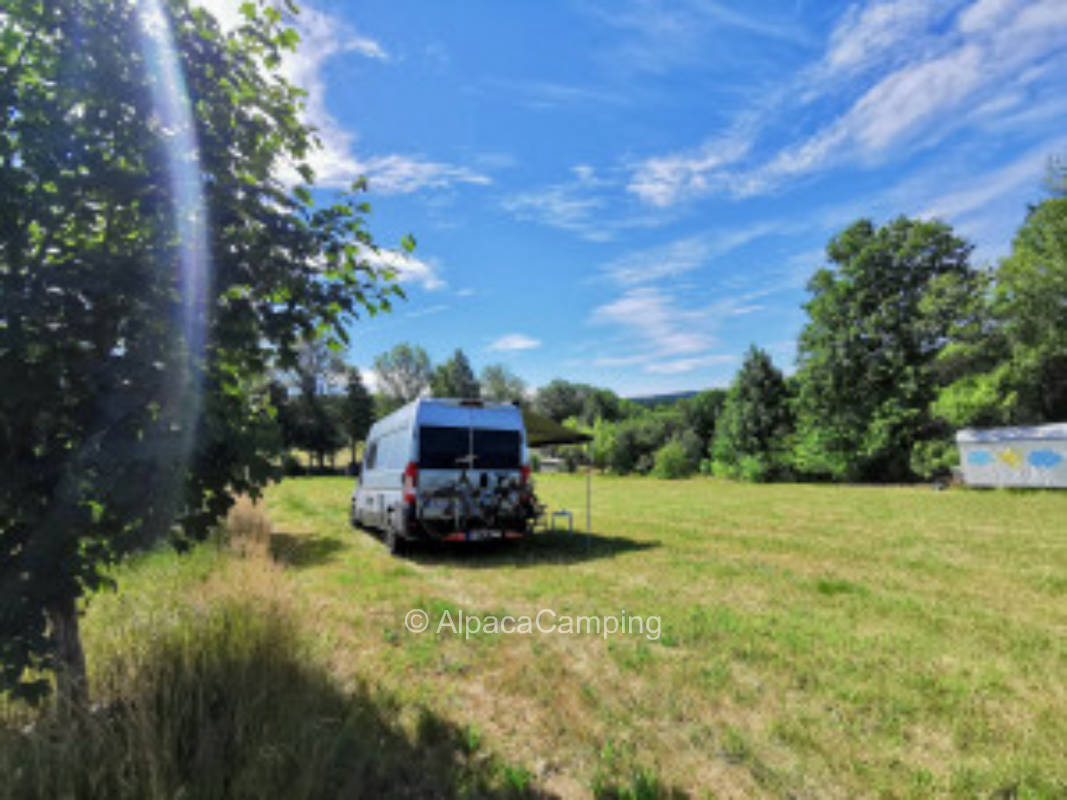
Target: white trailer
[(1031, 456)]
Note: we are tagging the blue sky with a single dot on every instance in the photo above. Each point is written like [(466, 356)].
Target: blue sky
[(630, 193)]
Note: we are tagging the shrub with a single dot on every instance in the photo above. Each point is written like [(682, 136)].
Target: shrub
[(673, 461), (934, 458), (756, 469)]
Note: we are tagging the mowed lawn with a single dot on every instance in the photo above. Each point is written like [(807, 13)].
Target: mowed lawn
[(817, 641)]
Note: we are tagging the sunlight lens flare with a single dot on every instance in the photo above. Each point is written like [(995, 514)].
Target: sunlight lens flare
[(170, 100)]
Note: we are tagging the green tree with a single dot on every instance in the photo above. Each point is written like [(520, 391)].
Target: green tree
[(316, 425), (679, 457), (865, 376), (560, 399), (700, 412), (755, 424), (1007, 361), (404, 372), (358, 411), (134, 402), (455, 378), (600, 404), (501, 385)]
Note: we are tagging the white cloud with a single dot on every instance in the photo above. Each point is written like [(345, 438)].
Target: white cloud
[(981, 190), (660, 36), (983, 14), (544, 95), (661, 336), (866, 34), (562, 205), (336, 165), (660, 326), (664, 180), (515, 341), (584, 173), (683, 255), (427, 311), (679, 365), (587, 205), (407, 268), (936, 79)]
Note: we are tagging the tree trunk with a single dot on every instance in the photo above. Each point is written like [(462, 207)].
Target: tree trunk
[(71, 683)]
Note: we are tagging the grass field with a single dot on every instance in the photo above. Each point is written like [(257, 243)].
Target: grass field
[(817, 641)]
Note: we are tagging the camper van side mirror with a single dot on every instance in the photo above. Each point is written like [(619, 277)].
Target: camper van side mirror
[(354, 469)]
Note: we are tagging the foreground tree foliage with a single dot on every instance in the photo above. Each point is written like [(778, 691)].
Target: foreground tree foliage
[(133, 405), (865, 375)]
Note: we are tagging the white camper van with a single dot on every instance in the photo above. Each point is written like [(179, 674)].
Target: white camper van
[(445, 470)]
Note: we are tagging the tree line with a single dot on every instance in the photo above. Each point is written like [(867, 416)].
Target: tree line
[(322, 404), (906, 341)]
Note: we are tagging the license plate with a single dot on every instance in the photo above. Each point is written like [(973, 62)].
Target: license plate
[(481, 534)]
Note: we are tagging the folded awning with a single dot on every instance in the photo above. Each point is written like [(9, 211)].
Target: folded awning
[(542, 431)]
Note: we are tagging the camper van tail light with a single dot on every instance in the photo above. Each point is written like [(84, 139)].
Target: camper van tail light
[(411, 481), (524, 474)]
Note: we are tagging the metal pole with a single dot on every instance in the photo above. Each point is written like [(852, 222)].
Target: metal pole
[(588, 489)]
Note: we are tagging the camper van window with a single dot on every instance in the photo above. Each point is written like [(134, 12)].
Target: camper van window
[(372, 453), (497, 449), (440, 447)]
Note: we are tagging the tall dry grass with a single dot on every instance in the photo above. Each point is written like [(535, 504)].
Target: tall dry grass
[(215, 692)]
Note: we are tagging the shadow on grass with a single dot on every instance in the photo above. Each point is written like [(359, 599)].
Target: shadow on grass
[(304, 549), (231, 704), (540, 548)]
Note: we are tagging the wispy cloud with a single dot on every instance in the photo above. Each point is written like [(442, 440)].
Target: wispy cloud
[(567, 206), (427, 311), (980, 190), (515, 341), (684, 255), (664, 180), (660, 36), (868, 34), (939, 73), (587, 205), (546, 95), (336, 164), (660, 335), (408, 268), (678, 366)]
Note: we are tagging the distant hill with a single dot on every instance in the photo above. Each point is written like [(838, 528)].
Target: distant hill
[(653, 400)]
